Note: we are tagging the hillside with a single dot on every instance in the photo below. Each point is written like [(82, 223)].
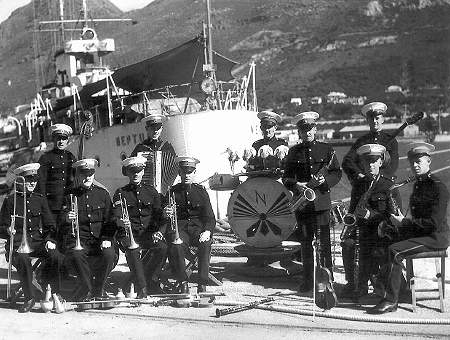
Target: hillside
[(301, 47)]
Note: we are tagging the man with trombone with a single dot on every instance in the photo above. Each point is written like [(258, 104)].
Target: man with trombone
[(28, 224), (312, 166), (192, 222), (138, 215), (88, 230)]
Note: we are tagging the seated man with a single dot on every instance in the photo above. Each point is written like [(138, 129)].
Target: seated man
[(40, 241), (86, 222), (270, 150), (143, 206), (192, 225), (425, 230)]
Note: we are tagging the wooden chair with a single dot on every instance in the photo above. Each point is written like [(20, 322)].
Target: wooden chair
[(439, 258)]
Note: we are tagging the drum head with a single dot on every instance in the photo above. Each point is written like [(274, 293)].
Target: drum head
[(258, 212)]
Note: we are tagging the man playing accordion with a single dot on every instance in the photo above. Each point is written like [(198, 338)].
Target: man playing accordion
[(154, 127), (138, 215)]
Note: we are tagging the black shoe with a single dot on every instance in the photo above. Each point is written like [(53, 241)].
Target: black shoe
[(201, 289), (154, 288), (348, 291), (88, 297), (305, 286), (101, 294), (142, 294), (383, 307), (184, 287), (27, 306)]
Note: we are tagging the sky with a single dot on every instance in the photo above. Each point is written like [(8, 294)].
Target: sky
[(7, 6)]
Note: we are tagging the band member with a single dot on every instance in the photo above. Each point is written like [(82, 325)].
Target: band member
[(370, 205), (196, 221), (56, 172), (270, 150), (143, 205), (154, 127), (39, 240), (312, 164), (351, 164), (425, 230), (92, 222)]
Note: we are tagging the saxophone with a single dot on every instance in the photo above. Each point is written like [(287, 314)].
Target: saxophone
[(173, 218)]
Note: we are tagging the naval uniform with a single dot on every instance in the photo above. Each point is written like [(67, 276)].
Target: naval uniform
[(380, 205), (145, 213), (194, 216), (95, 223), (149, 145), (426, 230), (271, 162), (351, 163), (41, 228), (303, 161)]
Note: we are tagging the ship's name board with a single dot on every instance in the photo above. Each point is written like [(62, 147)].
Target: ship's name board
[(134, 139)]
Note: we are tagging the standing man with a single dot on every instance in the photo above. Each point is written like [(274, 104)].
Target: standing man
[(143, 204), (154, 127), (269, 149), (426, 230), (96, 229), (312, 164), (56, 172), (41, 234), (196, 221), (370, 205), (351, 164)]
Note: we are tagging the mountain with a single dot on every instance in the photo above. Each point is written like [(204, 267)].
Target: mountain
[(301, 47)]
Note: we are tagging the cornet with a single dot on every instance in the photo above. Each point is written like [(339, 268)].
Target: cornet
[(126, 221), (75, 224), (300, 201)]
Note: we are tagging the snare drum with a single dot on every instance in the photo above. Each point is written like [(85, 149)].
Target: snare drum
[(258, 212), (223, 182)]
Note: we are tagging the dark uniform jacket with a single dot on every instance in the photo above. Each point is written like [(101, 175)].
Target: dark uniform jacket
[(306, 159), (351, 162), (428, 204), (55, 175), (94, 213), (144, 209), (40, 222), (193, 207), (152, 145), (256, 163), (379, 202)]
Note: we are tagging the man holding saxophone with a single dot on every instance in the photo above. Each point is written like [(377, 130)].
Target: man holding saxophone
[(425, 230), (22, 214), (88, 230), (312, 165), (138, 214), (193, 223), (371, 203)]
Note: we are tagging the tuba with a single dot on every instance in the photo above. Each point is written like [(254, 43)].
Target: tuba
[(75, 224), (126, 221), (173, 219)]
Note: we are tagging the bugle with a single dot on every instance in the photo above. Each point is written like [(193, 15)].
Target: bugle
[(305, 195), (126, 221), (75, 223)]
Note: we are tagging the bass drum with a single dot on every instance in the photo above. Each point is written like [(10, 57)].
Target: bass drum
[(259, 214)]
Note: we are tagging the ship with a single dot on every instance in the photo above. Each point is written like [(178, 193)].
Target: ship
[(211, 115)]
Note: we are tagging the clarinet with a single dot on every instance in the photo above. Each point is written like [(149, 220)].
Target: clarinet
[(236, 309)]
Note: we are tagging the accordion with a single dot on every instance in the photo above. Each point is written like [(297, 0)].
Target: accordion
[(161, 170)]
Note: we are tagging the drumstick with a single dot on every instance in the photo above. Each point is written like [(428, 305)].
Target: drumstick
[(236, 309)]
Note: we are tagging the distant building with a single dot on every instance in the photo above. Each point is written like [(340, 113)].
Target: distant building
[(296, 101), (325, 134), (335, 97), (393, 88), (316, 100)]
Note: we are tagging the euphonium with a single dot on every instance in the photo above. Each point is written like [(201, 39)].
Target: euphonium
[(75, 224), (305, 196), (173, 219), (24, 247), (127, 223)]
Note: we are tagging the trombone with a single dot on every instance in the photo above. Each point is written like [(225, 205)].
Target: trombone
[(75, 224), (126, 221), (24, 247)]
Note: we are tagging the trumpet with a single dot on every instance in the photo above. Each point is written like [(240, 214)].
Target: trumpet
[(24, 247), (173, 219), (75, 223), (126, 221), (305, 196)]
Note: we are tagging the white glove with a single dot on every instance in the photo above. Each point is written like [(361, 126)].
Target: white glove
[(204, 236), (106, 244), (281, 152), (265, 151)]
